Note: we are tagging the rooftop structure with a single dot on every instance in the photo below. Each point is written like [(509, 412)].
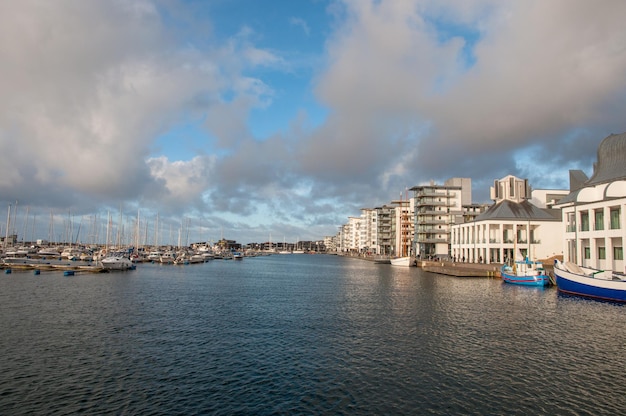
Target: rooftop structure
[(594, 212)]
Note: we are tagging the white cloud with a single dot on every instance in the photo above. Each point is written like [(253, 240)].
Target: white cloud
[(301, 23)]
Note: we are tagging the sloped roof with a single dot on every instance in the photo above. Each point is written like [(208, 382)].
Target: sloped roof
[(609, 167), (611, 157), (509, 210)]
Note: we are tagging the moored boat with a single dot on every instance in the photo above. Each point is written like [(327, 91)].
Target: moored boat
[(117, 262), (573, 279), (526, 273), (401, 261)]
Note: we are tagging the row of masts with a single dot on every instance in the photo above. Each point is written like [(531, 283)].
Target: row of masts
[(123, 233)]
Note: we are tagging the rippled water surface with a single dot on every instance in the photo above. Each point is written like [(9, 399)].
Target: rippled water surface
[(300, 334)]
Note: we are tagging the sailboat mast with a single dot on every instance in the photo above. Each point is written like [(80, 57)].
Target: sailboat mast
[(6, 237)]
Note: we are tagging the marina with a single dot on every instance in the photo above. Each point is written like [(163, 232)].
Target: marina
[(302, 334)]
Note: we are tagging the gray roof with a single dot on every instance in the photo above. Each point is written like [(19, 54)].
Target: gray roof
[(509, 210), (611, 157)]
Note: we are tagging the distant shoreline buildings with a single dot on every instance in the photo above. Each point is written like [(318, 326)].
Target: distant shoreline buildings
[(583, 224)]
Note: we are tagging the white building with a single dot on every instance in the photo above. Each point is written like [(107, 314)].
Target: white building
[(437, 208), (368, 239), (512, 223), (594, 213)]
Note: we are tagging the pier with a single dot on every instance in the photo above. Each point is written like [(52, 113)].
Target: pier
[(76, 267)]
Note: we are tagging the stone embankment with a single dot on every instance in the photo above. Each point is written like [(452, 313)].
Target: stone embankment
[(459, 269)]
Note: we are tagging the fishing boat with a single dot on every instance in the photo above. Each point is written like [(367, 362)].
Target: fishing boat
[(525, 272), (573, 279)]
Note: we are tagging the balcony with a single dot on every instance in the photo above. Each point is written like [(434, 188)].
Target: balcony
[(433, 193), (431, 240), (425, 203)]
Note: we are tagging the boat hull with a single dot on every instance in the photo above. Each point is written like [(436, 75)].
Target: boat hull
[(402, 261), (117, 263), (540, 280), (590, 287)]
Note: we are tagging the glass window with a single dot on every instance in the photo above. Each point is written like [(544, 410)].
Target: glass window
[(615, 219), (618, 253), (587, 253), (584, 221), (601, 253), (599, 219)]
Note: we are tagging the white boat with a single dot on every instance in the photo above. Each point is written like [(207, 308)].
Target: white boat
[(154, 256), (48, 252), (573, 279), (168, 257), (117, 262), (196, 258), (71, 253), (405, 261)]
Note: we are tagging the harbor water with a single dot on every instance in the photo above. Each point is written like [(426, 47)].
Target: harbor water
[(303, 334)]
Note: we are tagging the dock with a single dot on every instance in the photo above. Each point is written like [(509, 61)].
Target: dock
[(460, 269), (75, 267)]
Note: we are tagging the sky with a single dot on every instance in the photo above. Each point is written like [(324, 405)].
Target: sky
[(277, 120)]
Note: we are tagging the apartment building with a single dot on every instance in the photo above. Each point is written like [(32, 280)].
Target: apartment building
[(368, 231), (437, 209), (385, 242)]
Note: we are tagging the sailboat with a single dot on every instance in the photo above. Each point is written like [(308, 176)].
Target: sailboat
[(115, 260), (404, 260), (524, 271)]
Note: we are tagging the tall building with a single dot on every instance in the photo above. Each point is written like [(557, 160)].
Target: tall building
[(594, 212), (403, 227), (368, 238), (437, 208), (386, 230)]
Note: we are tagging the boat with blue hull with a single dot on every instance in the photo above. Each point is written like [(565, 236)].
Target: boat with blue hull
[(526, 273), (573, 279)]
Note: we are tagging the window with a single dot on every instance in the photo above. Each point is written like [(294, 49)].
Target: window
[(601, 253), (618, 253), (584, 221), (599, 219), (615, 219), (587, 253)]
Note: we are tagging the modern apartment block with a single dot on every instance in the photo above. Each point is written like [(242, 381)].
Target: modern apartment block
[(385, 242), (437, 208), (368, 231)]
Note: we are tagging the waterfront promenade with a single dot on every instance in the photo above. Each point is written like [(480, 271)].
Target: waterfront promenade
[(458, 269)]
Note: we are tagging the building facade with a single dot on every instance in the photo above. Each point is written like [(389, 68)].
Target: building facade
[(437, 209), (368, 238), (512, 224), (594, 212)]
